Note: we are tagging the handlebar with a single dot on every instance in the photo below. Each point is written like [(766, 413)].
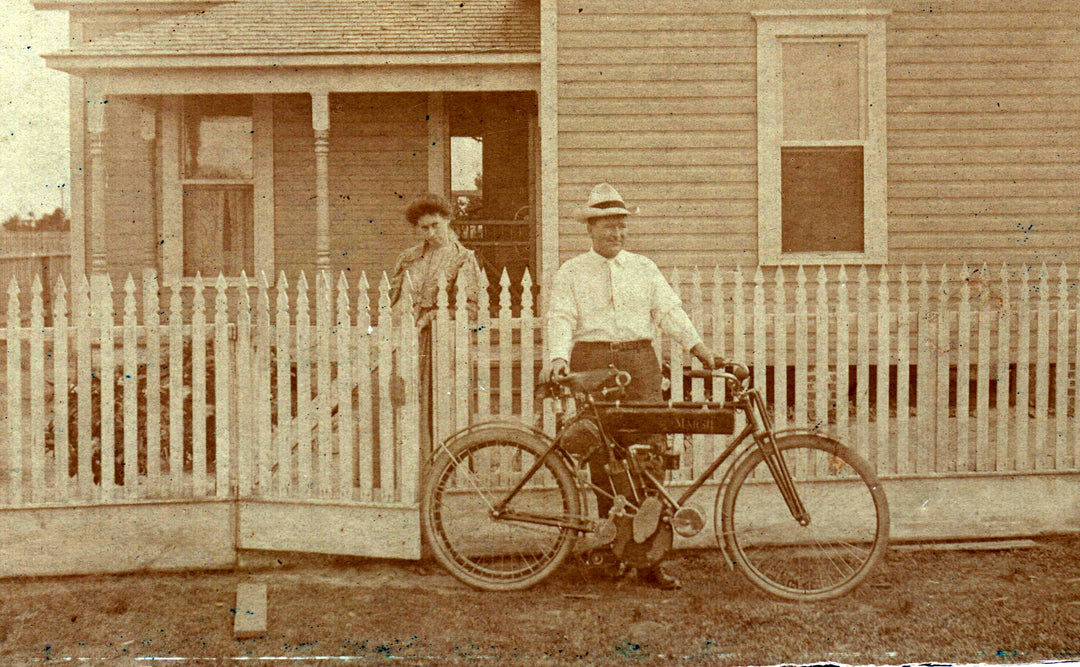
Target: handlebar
[(599, 381), (739, 372)]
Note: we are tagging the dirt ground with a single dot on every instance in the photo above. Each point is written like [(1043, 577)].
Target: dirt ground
[(988, 606)]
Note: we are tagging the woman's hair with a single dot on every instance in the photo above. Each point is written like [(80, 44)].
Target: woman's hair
[(426, 204)]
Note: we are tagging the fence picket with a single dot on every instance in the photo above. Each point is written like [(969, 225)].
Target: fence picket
[(886, 453), (483, 351), (506, 354), (802, 361), (37, 393), (14, 462), (982, 376), (385, 443), (282, 325), (406, 449), (676, 362), (199, 451), (305, 478), (924, 386), (780, 347), (1061, 371), (1023, 377), (862, 369), (701, 446), (963, 371), (364, 410), (528, 349), (761, 346), (904, 464), (738, 331), (1041, 449), (441, 371), (462, 372), (843, 347), (821, 356), (246, 391), (719, 332), (176, 393), (101, 290), (262, 454), (152, 321), (343, 345), (1002, 411), (324, 392), (943, 443), (223, 377), (61, 433), (130, 474)]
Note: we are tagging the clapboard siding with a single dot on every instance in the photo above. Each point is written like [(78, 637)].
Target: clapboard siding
[(983, 127)]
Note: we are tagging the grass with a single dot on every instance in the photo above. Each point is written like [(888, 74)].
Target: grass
[(1006, 606)]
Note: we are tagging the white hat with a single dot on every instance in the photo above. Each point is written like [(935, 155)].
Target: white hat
[(604, 201)]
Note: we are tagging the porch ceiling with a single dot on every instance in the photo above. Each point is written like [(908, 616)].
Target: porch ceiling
[(323, 32)]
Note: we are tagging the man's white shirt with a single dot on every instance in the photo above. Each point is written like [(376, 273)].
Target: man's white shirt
[(613, 300)]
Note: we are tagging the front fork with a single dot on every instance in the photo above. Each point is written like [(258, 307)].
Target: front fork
[(766, 441)]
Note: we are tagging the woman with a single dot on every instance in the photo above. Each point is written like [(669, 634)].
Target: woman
[(440, 253)]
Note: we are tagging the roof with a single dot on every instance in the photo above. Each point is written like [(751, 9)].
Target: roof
[(278, 27)]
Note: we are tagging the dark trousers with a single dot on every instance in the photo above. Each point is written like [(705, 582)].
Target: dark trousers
[(639, 360)]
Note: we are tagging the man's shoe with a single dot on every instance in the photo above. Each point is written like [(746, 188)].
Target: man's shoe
[(657, 578)]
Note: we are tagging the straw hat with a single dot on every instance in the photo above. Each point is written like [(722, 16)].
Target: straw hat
[(604, 201)]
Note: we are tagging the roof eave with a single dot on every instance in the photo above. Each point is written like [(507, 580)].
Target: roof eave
[(75, 63), (122, 6)]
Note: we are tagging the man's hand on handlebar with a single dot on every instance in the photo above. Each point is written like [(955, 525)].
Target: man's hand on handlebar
[(558, 368)]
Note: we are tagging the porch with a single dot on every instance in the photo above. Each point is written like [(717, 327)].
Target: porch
[(286, 417)]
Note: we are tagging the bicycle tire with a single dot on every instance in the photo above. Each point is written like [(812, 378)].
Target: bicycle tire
[(476, 471), (849, 520)]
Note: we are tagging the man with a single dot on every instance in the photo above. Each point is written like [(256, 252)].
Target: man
[(605, 307)]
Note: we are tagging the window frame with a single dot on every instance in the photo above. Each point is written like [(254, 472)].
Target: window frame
[(867, 28), (174, 180)]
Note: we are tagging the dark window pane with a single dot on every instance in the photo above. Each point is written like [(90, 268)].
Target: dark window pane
[(821, 199)]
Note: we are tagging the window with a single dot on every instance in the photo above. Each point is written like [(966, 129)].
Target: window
[(218, 208), (821, 137), (492, 182)]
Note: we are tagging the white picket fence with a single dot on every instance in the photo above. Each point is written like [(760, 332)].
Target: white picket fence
[(964, 373), (185, 401), (277, 392)]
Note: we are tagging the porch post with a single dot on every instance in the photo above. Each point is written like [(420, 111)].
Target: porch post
[(320, 122), (148, 133), (95, 125)]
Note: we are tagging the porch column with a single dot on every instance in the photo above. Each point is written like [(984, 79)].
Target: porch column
[(95, 125), (320, 122)]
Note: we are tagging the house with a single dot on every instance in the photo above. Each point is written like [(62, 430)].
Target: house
[(802, 161), (268, 135)]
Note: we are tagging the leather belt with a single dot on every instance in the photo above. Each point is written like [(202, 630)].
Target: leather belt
[(617, 347)]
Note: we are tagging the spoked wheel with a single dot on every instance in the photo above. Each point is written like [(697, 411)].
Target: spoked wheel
[(848, 529), (469, 480)]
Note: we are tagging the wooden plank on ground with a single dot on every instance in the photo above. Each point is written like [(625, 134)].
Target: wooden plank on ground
[(250, 611), (979, 545)]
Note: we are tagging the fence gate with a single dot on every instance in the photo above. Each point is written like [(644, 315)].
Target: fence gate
[(327, 428)]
